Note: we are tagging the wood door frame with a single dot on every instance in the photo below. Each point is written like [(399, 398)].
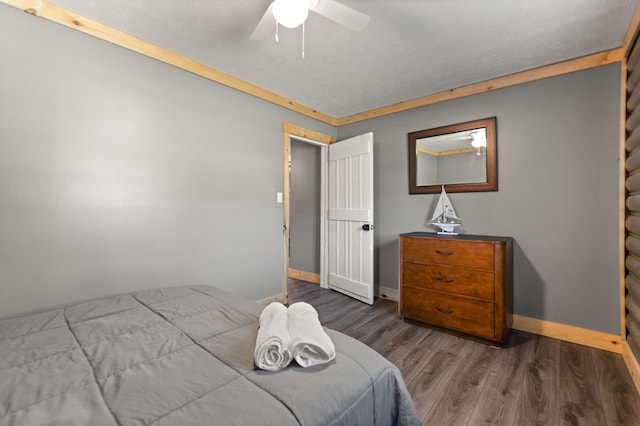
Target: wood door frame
[(291, 131)]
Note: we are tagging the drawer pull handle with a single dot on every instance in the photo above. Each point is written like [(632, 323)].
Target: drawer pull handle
[(444, 311), (444, 280), (444, 253)]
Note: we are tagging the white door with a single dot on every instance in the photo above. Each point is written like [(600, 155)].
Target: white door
[(351, 217)]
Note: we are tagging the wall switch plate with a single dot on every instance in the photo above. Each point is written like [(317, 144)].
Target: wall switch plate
[(279, 197)]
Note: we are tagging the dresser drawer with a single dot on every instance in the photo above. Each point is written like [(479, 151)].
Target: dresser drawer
[(450, 279), (479, 255), (471, 316)]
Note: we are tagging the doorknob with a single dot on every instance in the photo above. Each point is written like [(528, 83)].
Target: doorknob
[(367, 227)]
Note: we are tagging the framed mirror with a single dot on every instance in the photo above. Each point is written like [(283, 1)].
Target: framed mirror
[(462, 157)]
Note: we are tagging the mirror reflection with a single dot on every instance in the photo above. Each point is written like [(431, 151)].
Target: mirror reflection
[(462, 157), (458, 157)]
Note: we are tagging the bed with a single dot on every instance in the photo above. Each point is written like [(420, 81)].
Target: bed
[(181, 356)]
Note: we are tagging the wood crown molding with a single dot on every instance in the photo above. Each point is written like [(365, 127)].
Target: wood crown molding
[(579, 64), (72, 20), (69, 19), (33, 7), (293, 130), (632, 32), (581, 336)]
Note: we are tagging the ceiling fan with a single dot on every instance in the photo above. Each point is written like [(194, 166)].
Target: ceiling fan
[(292, 13)]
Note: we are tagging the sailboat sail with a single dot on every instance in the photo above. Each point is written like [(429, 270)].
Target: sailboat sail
[(444, 215)]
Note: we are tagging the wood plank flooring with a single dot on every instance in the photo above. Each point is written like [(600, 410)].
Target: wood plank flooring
[(532, 380)]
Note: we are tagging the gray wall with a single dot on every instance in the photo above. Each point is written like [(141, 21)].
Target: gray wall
[(465, 167), (304, 215), (426, 169), (454, 168), (558, 171), (118, 172)]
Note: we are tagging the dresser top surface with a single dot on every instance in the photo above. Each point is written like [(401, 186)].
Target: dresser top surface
[(467, 237)]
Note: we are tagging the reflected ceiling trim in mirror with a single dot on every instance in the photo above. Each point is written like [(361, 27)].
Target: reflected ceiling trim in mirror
[(489, 183)]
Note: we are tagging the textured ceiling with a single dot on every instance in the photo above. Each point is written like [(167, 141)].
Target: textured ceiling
[(411, 48)]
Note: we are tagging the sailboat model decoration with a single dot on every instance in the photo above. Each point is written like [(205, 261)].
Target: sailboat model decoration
[(445, 216)]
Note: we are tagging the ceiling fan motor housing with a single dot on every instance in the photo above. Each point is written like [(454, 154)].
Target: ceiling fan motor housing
[(290, 13)]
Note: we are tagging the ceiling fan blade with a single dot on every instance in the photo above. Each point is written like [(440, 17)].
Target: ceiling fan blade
[(341, 14), (265, 26)]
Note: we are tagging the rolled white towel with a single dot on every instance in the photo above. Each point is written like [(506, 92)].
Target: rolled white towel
[(273, 342), (310, 345)]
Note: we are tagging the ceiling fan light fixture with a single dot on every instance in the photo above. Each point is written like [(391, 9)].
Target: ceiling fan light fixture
[(290, 13), (478, 140)]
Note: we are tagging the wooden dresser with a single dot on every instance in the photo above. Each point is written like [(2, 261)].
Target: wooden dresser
[(460, 283)]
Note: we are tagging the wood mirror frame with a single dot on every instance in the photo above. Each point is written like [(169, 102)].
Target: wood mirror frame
[(490, 183)]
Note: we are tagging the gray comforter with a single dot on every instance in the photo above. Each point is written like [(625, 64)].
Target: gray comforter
[(181, 356)]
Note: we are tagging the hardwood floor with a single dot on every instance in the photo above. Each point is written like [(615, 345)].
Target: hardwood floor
[(532, 380)]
